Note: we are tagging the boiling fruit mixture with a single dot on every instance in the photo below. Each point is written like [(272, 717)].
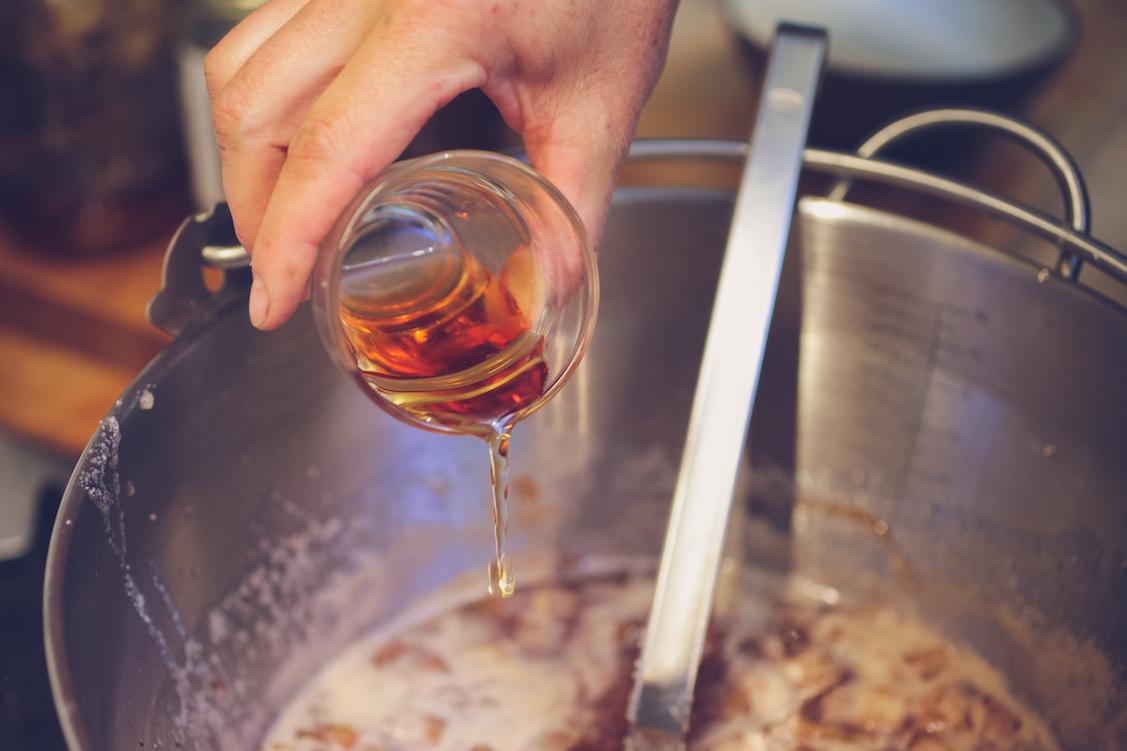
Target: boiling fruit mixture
[(551, 670)]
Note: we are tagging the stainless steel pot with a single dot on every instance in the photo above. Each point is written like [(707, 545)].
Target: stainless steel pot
[(243, 512)]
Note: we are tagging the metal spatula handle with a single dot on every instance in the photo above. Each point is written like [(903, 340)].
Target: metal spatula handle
[(726, 386)]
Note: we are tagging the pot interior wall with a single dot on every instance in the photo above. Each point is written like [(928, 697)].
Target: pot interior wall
[(215, 547)]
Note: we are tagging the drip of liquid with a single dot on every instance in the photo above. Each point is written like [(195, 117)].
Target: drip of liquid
[(502, 582), (438, 339)]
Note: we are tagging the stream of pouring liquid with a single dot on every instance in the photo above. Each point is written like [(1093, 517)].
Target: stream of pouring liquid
[(463, 357), (502, 582)]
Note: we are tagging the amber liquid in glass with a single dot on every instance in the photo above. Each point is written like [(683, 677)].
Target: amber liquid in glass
[(448, 343)]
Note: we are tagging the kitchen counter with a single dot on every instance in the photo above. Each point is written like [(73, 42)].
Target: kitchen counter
[(73, 334)]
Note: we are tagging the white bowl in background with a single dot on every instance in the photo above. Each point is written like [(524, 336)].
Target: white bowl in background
[(932, 41)]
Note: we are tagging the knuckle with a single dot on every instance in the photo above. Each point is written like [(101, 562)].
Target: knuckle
[(230, 111), (286, 268), (316, 141), (294, 268), (216, 69)]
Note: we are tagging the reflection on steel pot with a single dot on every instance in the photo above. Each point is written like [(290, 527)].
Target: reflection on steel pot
[(243, 513)]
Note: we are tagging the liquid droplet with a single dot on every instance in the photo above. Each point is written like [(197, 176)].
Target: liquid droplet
[(146, 400), (502, 583)]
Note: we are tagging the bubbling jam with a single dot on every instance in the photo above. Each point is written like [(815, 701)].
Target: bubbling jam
[(551, 671)]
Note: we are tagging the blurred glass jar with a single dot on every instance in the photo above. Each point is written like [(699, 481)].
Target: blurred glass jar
[(90, 156)]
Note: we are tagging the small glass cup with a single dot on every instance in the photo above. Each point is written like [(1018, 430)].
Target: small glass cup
[(459, 289)]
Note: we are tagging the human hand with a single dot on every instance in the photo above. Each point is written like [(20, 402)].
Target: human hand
[(313, 98)]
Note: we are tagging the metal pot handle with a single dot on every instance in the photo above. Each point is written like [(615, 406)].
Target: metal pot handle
[(184, 298), (1044, 146)]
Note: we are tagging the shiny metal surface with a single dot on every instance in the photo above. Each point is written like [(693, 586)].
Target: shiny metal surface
[(214, 548), (725, 391), (1059, 161), (1101, 255), (225, 256), (1095, 252), (184, 299), (1040, 143), (864, 165)]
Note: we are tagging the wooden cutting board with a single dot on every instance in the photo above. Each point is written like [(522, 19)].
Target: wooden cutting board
[(73, 334)]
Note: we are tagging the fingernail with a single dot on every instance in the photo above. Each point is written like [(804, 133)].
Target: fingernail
[(259, 303)]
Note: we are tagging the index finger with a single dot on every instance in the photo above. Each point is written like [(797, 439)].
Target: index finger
[(362, 122)]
